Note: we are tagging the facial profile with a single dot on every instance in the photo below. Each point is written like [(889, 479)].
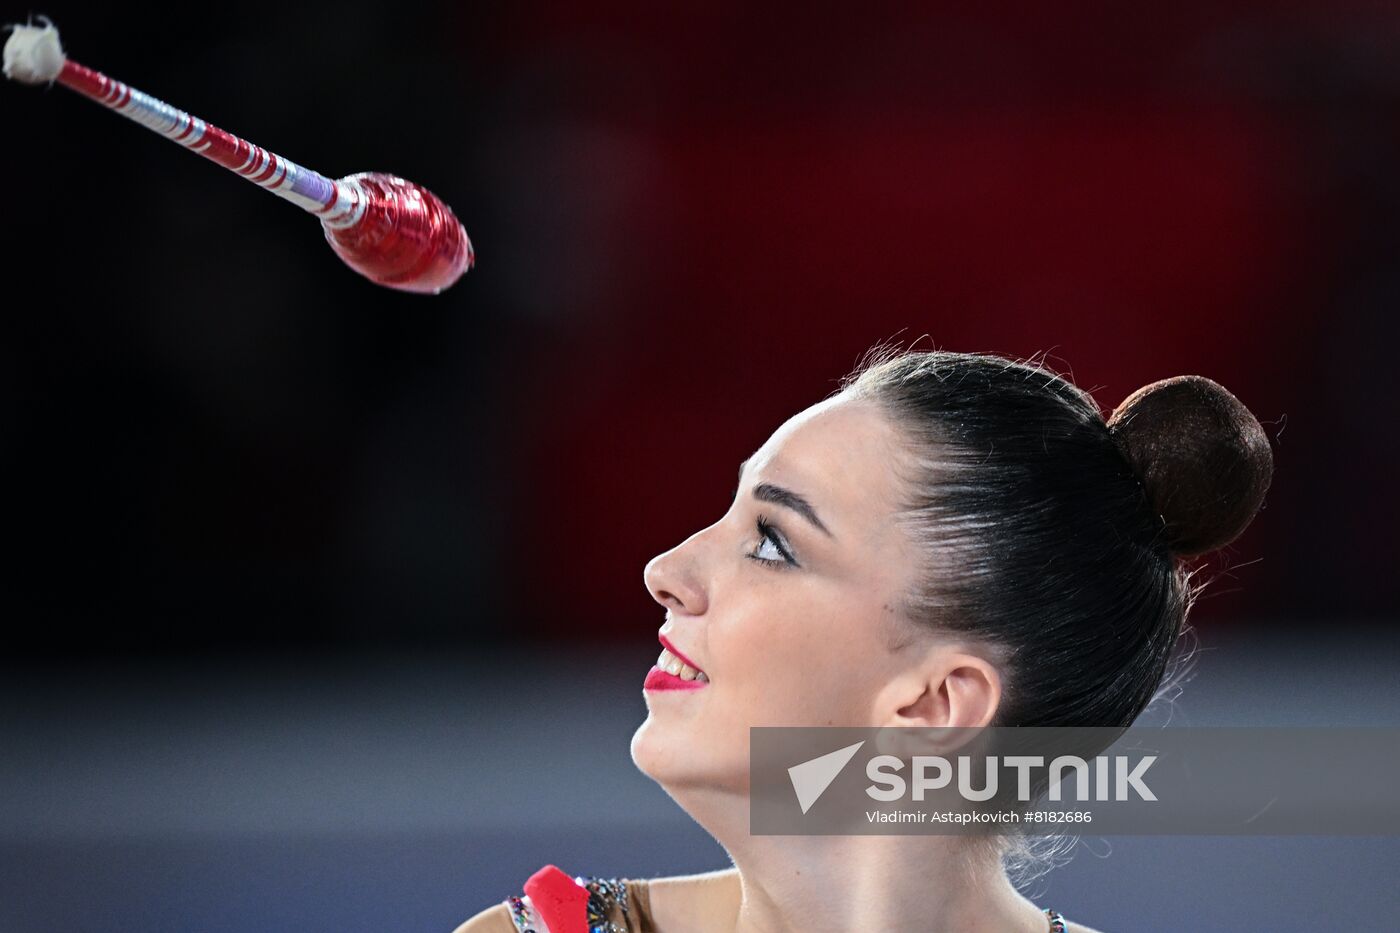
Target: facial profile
[(951, 541), (789, 605)]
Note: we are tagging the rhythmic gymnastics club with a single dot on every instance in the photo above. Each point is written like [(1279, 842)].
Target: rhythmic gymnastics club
[(391, 231)]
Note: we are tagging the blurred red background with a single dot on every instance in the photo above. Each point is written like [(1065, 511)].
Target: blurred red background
[(690, 221)]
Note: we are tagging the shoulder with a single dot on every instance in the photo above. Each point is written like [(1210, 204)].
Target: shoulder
[(495, 919), (678, 900)]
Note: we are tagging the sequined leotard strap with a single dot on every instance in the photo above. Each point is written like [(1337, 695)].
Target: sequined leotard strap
[(556, 903)]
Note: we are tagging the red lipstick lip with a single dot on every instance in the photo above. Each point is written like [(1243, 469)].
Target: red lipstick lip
[(666, 643)]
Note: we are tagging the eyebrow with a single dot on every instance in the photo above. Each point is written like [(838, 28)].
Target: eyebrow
[(767, 492)]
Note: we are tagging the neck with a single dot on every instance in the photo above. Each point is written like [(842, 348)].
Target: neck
[(817, 884)]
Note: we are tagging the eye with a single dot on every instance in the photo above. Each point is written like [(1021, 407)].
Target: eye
[(771, 550)]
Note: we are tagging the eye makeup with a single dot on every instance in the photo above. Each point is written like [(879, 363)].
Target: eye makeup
[(769, 534)]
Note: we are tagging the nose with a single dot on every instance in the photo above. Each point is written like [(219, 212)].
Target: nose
[(672, 580)]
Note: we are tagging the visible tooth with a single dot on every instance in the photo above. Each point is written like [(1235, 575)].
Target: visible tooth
[(673, 665), (662, 658), (688, 672), (702, 677)]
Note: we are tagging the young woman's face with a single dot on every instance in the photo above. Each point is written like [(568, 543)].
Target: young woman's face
[(787, 603)]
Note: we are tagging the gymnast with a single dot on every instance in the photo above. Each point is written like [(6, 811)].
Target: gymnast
[(948, 540)]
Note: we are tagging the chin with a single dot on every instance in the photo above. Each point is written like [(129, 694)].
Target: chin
[(639, 747), (654, 753), (671, 760)]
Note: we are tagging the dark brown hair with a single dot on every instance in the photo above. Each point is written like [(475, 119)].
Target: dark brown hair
[(1055, 534)]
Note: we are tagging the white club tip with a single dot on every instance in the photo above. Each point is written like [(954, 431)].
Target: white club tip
[(33, 54)]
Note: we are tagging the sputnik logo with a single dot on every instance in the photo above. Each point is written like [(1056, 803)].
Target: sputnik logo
[(811, 778)]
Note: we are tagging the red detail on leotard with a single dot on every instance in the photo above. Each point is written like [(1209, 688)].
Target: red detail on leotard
[(560, 900)]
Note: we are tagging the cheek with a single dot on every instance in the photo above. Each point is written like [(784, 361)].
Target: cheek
[(803, 662)]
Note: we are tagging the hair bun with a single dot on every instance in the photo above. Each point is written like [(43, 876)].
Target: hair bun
[(1201, 455)]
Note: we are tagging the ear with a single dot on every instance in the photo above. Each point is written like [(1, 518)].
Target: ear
[(955, 689)]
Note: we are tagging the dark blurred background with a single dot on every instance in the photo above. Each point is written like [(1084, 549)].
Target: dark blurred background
[(268, 518)]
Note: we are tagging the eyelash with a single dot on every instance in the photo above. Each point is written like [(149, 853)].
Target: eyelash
[(766, 532)]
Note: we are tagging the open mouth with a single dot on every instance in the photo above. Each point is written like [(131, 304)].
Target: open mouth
[(674, 666), (678, 665)]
